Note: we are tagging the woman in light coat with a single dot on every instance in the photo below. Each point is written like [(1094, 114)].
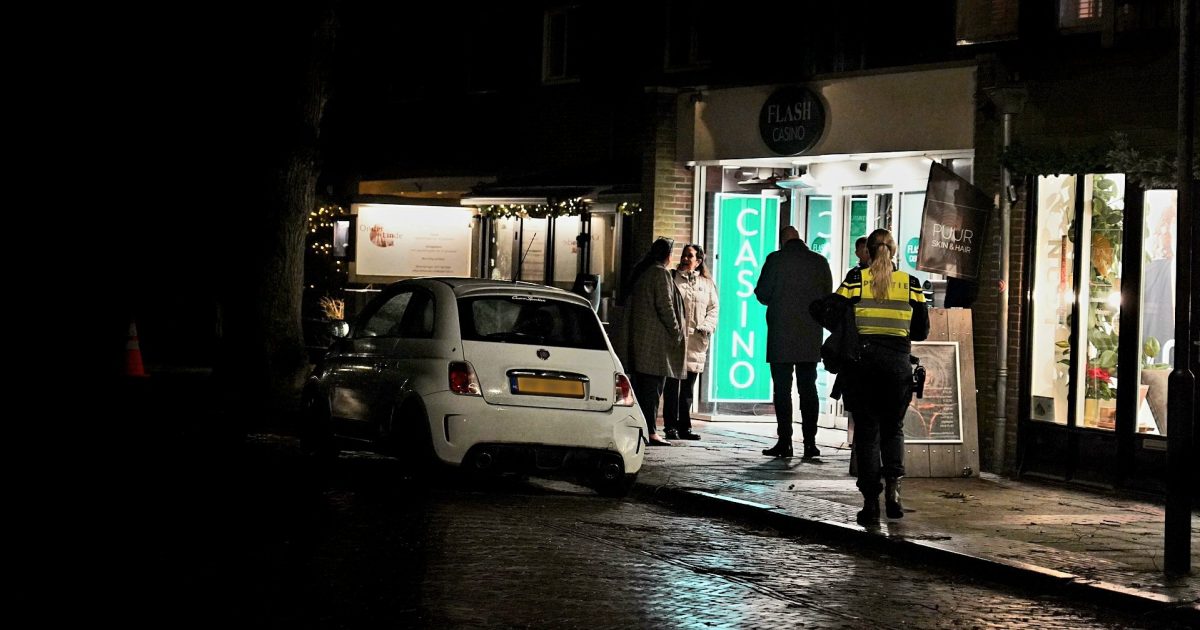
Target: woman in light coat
[(700, 308)]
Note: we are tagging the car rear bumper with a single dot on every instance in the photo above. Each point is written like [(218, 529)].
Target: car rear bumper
[(460, 423)]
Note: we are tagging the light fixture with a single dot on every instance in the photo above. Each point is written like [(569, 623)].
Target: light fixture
[(802, 181), (794, 182)]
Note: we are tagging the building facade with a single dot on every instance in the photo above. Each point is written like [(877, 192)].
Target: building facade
[(660, 107)]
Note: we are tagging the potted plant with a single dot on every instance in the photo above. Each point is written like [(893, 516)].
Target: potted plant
[(1099, 388), (1154, 379)]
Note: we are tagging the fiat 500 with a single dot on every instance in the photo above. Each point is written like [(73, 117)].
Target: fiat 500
[(481, 374)]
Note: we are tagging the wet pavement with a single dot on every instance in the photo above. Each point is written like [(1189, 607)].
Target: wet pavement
[(237, 528), (1091, 544), (280, 543)]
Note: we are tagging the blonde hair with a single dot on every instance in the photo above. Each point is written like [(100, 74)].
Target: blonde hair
[(882, 248)]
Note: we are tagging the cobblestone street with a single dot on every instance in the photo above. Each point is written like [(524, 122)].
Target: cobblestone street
[(357, 547)]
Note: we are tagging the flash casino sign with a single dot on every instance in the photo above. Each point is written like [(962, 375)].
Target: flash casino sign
[(791, 120)]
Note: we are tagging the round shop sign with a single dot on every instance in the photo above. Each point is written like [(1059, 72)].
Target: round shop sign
[(911, 250), (791, 120)]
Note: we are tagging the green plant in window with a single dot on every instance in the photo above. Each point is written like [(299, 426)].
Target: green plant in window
[(1107, 218), (1150, 350)]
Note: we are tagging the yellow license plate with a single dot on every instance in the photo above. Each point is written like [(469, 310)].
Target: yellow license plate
[(536, 386)]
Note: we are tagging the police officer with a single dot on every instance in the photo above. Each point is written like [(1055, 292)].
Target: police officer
[(890, 311)]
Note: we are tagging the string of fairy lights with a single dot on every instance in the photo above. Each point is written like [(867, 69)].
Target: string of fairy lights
[(555, 208)]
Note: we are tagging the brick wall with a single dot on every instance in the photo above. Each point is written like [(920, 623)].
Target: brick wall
[(666, 183)]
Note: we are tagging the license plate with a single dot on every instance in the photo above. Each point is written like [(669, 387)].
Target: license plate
[(538, 386)]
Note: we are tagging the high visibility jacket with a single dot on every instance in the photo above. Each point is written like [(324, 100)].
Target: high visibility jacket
[(892, 317)]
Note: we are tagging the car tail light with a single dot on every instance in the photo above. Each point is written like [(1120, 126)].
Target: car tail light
[(462, 379), (623, 394)]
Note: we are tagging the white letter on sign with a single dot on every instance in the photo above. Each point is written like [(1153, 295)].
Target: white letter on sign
[(749, 375), (741, 228)]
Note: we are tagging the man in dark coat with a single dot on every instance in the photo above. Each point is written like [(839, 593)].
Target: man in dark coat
[(792, 278)]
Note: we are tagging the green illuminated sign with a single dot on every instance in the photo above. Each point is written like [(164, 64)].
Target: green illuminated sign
[(747, 230), (910, 251)]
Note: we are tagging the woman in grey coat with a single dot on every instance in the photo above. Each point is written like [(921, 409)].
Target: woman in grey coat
[(700, 308)]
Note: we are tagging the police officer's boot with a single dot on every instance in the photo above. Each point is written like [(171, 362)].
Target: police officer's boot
[(782, 448), (891, 498), (869, 515)]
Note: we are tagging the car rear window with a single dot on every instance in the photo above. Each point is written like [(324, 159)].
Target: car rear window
[(530, 320)]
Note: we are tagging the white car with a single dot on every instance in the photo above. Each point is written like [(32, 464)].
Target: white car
[(505, 376)]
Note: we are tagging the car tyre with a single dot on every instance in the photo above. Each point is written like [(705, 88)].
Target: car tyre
[(316, 431), (411, 442)]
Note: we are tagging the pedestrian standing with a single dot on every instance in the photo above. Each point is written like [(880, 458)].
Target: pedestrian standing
[(889, 310), (792, 278), (655, 334), (861, 253), (700, 307)]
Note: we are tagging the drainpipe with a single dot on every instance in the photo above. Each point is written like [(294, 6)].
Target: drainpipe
[(1181, 384), (1009, 102)]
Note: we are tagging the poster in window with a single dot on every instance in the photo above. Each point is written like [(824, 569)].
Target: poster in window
[(400, 240), (937, 417)]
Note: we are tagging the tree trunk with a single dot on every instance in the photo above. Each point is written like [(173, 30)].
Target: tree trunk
[(263, 361)]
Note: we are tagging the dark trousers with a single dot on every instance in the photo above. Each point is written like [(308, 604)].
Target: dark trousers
[(677, 402), (881, 387), (648, 388), (810, 404)]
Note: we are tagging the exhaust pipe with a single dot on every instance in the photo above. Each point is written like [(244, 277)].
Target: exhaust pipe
[(610, 471), (483, 460)]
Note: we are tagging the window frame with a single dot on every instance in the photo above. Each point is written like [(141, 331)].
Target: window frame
[(567, 55)]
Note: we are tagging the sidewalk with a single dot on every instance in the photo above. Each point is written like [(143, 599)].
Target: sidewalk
[(1088, 545)]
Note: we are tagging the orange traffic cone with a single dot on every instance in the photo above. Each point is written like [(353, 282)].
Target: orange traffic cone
[(133, 354)]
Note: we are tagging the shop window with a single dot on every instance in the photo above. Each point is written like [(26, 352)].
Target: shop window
[(690, 32), (503, 243), (819, 232), (604, 250), (578, 251), (1086, 354), (1101, 245), (532, 252), (859, 227), (1083, 15), (981, 21), (908, 235), (1052, 299), (561, 44), (1158, 309)]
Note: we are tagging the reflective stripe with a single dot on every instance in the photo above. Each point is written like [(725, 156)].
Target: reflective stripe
[(877, 326), (891, 305)]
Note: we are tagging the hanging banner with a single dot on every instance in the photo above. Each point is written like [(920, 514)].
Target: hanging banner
[(747, 230), (953, 225)]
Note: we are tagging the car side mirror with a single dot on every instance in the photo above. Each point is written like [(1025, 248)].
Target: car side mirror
[(339, 329)]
